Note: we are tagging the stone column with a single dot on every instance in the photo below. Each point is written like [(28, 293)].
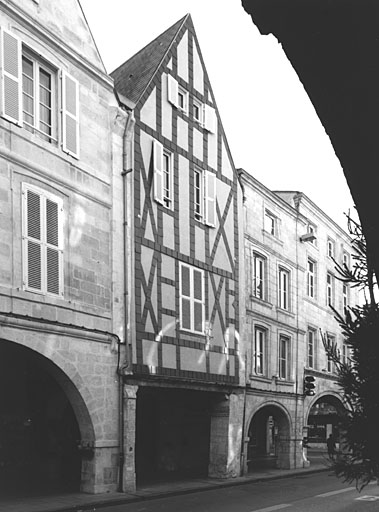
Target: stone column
[(226, 437), (129, 474)]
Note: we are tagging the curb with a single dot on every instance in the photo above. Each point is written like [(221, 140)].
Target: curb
[(134, 498)]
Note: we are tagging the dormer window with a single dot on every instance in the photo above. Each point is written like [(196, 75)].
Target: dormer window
[(183, 100)]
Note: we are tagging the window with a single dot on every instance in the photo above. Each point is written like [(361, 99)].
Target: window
[(198, 111), (42, 241), (205, 196), (311, 343), (346, 259), (311, 279), (30, 92), (345, 300), (284, 284), (259, 276), (260, 343), (330, 248), (270, 224), (344, 353), (192, 302), (163, 175), (182, 100), (312, 231), (284, 357), (330, 365), (329, 289)]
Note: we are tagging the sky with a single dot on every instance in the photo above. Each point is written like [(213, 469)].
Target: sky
[(271, 126)]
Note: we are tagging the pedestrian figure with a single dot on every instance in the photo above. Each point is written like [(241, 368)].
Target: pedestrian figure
[(331, 446)]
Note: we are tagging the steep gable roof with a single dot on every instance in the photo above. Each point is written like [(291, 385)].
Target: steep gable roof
[(132, 77)]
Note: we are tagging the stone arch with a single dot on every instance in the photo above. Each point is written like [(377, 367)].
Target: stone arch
[(269, 430), (63, 400), (322, 418)]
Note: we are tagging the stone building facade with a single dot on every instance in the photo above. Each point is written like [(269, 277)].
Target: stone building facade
[(290, 280), (184, 370), (61, 289)]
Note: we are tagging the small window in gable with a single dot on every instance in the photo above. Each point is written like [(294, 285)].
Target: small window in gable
[(198, 111), (163, 175), (183, 100), (42, 230)]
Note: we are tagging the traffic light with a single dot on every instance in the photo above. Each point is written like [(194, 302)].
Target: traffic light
[(309, 386)]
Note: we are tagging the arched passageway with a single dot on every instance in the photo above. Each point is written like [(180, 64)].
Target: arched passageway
[(39, 431), (323, 420), (269, 439)]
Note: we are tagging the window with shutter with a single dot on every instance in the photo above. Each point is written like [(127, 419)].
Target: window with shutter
[(192, 303), (11, 77), (42, 241), (210, 198), (163, 175), (70, 115)]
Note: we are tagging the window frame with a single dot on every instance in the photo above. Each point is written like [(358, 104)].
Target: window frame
[(262, 276), (284, 363), (273, 231), (311, 279), (260, 355), (38, 65), (331, 248), (199, 105), (191, 298), (42, 242), (199, 205), (184, 95), (345, 296), (284, 291), (330, 366), (311, 347), (330, 289)]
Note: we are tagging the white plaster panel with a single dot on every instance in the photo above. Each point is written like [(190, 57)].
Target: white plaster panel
[(182, 135), (198, 144), (184, 205), (168, 322), (232, 364), (168, 296), (192, 360), (166, 110), (150, 352), (168, 267), (198, 72), (212, 149), (182, 53), (226, 164), (168, 356), (199, 243), (168, 231), (149, 110), (217, 363)]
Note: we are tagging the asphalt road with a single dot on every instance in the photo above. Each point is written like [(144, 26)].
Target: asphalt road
[(318, 492)]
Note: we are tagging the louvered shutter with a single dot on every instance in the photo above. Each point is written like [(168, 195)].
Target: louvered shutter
[(210, 198), (185, 306), (172, 90), (33, 240), (158, 171), (70, 115), (11, 66), (210, 119), (53, 252)]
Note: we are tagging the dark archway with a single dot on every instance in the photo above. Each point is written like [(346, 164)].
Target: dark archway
[(39, 432), (269, 439), (323, 420), (172, 434)]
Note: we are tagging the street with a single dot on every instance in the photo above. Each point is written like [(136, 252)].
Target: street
[(320, 492)]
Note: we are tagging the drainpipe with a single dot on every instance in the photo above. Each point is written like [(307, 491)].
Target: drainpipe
[(125, 367)]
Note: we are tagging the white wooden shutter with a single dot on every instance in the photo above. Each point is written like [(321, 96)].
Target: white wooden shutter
[(158, 171), (198, 300), (210, 198), (32, 240), (209, 118), (172, 90), (54, 253), (11, 72), (70, 115)]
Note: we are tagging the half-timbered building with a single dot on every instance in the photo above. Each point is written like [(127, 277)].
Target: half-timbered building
[(184, 364)]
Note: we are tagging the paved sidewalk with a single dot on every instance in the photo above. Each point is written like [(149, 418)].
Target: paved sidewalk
[(77, 502)]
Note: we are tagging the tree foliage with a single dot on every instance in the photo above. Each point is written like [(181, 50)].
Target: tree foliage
[(358, 374)]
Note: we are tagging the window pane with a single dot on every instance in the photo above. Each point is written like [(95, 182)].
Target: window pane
[(198, 313), (197, 284), (186, 281), (186, 314), (34, 265)]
